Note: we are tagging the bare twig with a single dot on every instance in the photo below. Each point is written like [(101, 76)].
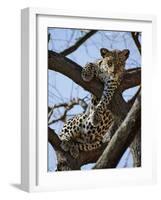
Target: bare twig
[(78, 43), (67, 107)]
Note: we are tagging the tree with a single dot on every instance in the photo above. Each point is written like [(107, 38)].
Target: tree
[(126, 130)]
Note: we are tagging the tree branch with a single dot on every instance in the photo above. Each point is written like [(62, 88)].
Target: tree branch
[(72, 70), (54, 139), (122, 138), (49, 37), (132, 100), (66, 161), (78, 43), (118, 106), (67, 107), (135, 36), (135, 148), (131, 78)]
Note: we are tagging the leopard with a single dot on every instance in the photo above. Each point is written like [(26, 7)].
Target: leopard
[(86, 131)]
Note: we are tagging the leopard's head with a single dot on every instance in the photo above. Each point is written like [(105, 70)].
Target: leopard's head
[(114, 61)]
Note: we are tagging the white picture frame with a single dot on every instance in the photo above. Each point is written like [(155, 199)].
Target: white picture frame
[(34, 176)]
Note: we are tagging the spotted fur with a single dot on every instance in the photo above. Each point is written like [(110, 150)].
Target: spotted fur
[(85, 132)]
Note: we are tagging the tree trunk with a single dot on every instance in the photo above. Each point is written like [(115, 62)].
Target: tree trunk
[(136, 150)]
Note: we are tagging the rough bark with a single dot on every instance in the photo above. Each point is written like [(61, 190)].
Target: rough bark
[(118, 106), (109, 153), (66, 161), (135, 148), (122, 138), (72, 70), (135, 36)]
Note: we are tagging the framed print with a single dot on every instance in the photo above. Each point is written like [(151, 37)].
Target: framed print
[(86, 120)]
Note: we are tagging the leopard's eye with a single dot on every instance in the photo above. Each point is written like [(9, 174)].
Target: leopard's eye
[(110, 63)]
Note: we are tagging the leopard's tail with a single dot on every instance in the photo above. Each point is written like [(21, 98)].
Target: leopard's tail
[(89, 146)]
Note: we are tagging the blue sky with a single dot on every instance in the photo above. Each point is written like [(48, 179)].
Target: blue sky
[(62, 89)]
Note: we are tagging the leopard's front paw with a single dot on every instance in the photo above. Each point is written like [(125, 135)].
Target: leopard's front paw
[(74, 151), (88, 72), (96, 118)]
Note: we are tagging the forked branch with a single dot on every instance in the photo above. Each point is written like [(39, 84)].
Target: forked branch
[(118, 106), (72, 70), (109, 154), (122, 138), (78, 43)]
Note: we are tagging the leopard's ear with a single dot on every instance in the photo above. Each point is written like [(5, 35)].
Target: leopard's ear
[(124, 54), (103, 52)]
